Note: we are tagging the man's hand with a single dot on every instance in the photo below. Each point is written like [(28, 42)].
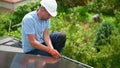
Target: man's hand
[(54, 53)]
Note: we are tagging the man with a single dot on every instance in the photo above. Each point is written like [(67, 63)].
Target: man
[(35, 31)]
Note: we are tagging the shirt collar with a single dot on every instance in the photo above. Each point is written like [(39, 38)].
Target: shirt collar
[(36, 16)]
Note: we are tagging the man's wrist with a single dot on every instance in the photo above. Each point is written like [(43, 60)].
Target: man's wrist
[(50, 47), (49, 50)]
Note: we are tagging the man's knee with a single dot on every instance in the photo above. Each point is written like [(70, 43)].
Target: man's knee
[(62, 35), (58, 38)]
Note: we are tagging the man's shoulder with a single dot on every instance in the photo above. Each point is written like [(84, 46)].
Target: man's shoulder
[(30, 15)]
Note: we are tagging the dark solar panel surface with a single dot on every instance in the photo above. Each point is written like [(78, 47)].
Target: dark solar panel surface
[(13, 59)]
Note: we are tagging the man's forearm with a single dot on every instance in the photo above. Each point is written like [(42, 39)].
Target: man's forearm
[(47, 39), (40, 46), (48, 43), (36, 44)]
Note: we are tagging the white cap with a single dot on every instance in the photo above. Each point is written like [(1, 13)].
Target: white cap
[(50, 6)]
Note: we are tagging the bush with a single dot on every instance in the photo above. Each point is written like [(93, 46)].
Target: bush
[(17, 33), (77, 14), (4, 23), (105, 7), (105, 30), (64, 5), (117, 17)]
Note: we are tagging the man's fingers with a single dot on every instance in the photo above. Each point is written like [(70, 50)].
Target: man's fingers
[(54, 53)]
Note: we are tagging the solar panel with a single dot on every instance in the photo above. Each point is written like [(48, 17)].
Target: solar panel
[(20, 60), (11, 58)]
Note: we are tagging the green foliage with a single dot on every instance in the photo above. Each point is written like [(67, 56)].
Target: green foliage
[(16, 16), (21, 10), (119, 27), (80, 40), (4, 23), (17, 33), (64, 5), (117, 17), (95, 6), (76, 14), (103, 33), (105, 7), (80, 12)]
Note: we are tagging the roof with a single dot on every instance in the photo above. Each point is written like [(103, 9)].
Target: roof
[(10, 44)]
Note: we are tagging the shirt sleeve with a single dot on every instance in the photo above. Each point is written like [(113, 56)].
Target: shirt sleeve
[(28, 26)]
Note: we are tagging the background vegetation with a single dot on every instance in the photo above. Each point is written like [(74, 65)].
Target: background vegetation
[(95, 43)]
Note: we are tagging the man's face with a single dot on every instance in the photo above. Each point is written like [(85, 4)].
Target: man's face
[(45, 15)]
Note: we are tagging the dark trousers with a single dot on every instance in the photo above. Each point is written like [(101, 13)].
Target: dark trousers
[(58, 40)]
